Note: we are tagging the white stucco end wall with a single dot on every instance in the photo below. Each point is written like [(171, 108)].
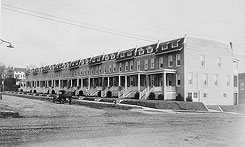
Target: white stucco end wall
[(215, 94)]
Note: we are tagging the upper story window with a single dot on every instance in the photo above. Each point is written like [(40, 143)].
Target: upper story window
[(235, 81), (141, 51), (242, 86), (126, 66), (129, 53), (202, 61), (120, 67), (131, 65), (114, 67), (138, 65), (146, 64), (122, 54), (178, 58), (174, 44), (88, 70), (190, 78), (100, 69), (112, 56), (110, 69), (149, 49), (170, 61), (164, 47), (106, 57), (216, 80), (228, 80), (104, 69), (205, 79), (236, 65), (219, 62), (161, 62), (152, 63)]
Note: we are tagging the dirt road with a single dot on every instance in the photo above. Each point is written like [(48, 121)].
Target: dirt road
[(47, 124)]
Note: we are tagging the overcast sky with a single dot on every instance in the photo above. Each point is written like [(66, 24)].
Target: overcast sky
[(51, 31)]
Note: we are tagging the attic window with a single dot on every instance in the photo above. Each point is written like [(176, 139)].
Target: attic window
[(93, 60), (129, 53), (175, 44), (122, 55), (106, 57), (164, 46), (112, 56), (82, 62), (98, 59), (149, 49), (141, 51)]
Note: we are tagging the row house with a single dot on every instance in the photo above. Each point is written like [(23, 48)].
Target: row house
[(194, 67)]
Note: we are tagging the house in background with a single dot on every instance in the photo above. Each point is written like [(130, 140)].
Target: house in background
[(241, 88), (194, 67), (19, 74)]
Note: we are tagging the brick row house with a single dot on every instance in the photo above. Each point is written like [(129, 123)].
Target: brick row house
[(194, 67)]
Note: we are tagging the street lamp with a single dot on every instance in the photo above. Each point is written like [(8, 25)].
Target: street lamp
[(9, 44)]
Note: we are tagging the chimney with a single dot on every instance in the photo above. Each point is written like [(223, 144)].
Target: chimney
[(231, 45)]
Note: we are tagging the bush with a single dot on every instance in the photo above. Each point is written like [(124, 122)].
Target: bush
[(34, 91), (30, 91), (53, 92), (179, 97), (160, 97), (137, 95), (21, 90), (108, 94), (189, 99), (99, 93), (48, 92), (80, 93), (152, 96)]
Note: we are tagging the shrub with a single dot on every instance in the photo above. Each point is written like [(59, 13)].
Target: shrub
[(189, 99), (34, 91), (30, 91), (108, 94), (99, 93), (179, 97), (137, 95), (53, 92), (152, 96), (160, 97), (80, 93), (48, 92), (21, 90)]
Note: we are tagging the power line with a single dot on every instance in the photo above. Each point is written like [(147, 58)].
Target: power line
[(78, 24)]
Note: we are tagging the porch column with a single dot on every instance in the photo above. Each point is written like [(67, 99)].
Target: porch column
[(59, 83), (108, 81), (164, 84), (147, 81), (138, 82), (119, 80), (89, 83), (126, 83), (71, 82), (52, 82), (81, 83), (77, 82)]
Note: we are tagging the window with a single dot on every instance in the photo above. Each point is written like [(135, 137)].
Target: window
[(235, 81), (202, 61), (99, 69), (110, 69), (114, 66), (122, 55), (93, 60), (152, 63), (141, 51), (242, 86), (236, 65), (120, 67), (178, 58), (129, 53), (216, 79), (146, 64), (88, 70), (170, 61), (138, 65), (164, 46), (112, 56), (98, 59), (174, 44), (195, 95), (205, 95), (178, 80), (205, 79), (189, 94), (149, 49), (126, 66), (224, 95), (106, 57), (228, 80), (104, 69), (219, 62), (131, 65), (190, 78), (161, 62)]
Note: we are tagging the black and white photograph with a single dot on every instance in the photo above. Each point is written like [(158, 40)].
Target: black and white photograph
[(122, 73)]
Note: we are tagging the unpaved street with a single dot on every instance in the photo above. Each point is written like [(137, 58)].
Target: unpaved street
[(47, 124)]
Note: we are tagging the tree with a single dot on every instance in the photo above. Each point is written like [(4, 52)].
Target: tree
[(2, 71)]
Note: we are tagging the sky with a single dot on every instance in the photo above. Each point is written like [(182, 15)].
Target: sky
[(46, 32)]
